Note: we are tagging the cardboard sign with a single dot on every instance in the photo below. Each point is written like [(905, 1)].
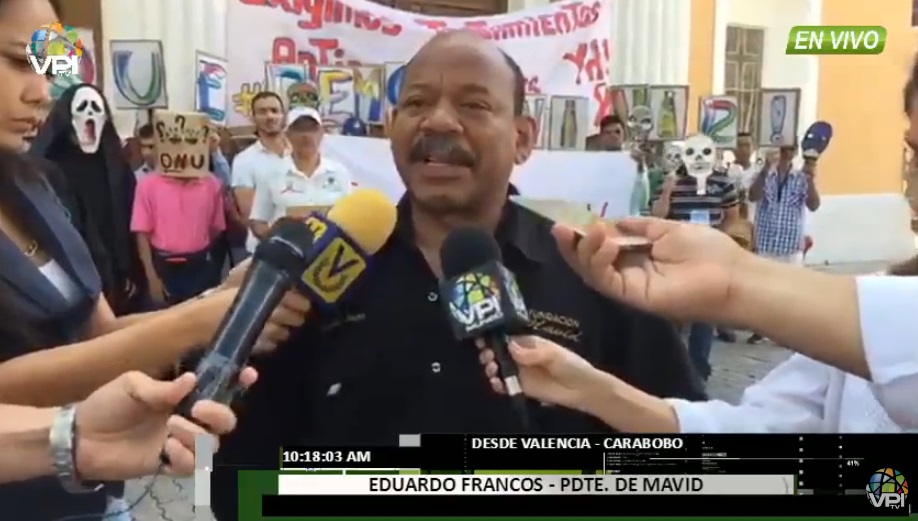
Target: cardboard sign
[(182, 143), (301, 212)]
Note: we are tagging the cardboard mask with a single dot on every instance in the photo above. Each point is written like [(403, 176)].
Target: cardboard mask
[(700, 157), (816, 140), (88, 117), (182, 143)]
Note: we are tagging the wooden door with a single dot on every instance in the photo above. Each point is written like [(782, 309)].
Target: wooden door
[(743, 73)]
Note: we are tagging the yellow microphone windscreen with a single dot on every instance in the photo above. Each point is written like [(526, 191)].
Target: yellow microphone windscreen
[(366, 216)]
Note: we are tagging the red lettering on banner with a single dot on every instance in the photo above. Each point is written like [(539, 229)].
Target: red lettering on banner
[(590, 59), (325, 52), (433, 25), (532, 85), (479, 27), (570, 18), (604, 96), (321, 12)]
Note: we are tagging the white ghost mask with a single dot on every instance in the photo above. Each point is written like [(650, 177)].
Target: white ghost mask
[(88, 117), (700, 156), (672, 157)]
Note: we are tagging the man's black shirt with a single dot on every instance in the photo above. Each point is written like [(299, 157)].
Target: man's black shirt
[(388, 364)]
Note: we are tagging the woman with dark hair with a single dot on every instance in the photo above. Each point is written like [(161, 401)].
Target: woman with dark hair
[(59, 340)]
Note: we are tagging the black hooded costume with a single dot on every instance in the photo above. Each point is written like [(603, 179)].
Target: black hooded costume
[(97, 187)]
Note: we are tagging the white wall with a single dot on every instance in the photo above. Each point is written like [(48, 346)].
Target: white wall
[(650, 40), (184, 26)]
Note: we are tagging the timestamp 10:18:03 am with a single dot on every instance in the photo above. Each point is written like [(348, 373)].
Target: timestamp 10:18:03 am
[(297, 457)]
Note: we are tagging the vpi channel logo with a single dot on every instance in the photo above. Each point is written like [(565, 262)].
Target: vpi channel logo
[(887, 488), (55, 50), (475, 301)]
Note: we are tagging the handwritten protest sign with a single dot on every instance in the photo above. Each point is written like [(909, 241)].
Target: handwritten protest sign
[(354, 51), (181, 146)]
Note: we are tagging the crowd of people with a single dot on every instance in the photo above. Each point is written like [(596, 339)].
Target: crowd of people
[(110, 270), (764, 194)]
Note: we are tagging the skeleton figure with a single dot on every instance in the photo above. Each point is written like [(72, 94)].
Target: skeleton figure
[(672, 157), (700, 157), (640, 122)]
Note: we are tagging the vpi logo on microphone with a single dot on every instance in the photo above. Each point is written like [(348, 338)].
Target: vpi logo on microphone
[(887, 488), (475, 301)]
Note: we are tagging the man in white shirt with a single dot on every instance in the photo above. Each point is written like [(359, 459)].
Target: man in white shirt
[(309, 182), (268, 156)]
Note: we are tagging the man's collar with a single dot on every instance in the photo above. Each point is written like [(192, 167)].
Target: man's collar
[(518, 230), (260, 147)]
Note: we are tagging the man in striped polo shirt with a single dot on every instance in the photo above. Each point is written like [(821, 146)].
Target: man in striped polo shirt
[(678, 199)]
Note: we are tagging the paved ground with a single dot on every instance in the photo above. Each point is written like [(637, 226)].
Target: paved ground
[(736, 366)]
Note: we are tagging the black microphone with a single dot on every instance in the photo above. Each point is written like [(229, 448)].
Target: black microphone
[(277, 264), (484, 302)]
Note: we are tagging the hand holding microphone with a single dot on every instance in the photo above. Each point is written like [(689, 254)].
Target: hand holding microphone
[(484, 303), (123, 428), (321, 257), (547, 372), (288, 315)]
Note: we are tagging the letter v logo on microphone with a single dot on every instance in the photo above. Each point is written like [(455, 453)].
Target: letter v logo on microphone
[(334, 270)]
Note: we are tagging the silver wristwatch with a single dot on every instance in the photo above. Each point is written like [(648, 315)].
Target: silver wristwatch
[(63, 439)]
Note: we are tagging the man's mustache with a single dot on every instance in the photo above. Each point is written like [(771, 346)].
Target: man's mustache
[(441, 148)]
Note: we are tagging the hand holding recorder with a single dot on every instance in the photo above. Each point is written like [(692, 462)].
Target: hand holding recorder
[(697, 273), (687, 273)]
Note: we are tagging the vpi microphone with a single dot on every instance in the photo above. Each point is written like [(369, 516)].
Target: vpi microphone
[(484, 302), (321, 257)]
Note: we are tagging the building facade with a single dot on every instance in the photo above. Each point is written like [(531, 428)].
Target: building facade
[(714, 46)]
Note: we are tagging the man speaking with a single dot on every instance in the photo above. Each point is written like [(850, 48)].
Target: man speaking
[(385, 362)]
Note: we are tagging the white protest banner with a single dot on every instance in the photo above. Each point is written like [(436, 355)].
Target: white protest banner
[(563, 49), (602, 181)]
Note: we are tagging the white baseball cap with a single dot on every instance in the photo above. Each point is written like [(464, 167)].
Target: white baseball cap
[(303, 112)]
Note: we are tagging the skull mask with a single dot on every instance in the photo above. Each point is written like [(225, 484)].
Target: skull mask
[(672, 157), (700, 154), (88, 117), (700, 157)]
